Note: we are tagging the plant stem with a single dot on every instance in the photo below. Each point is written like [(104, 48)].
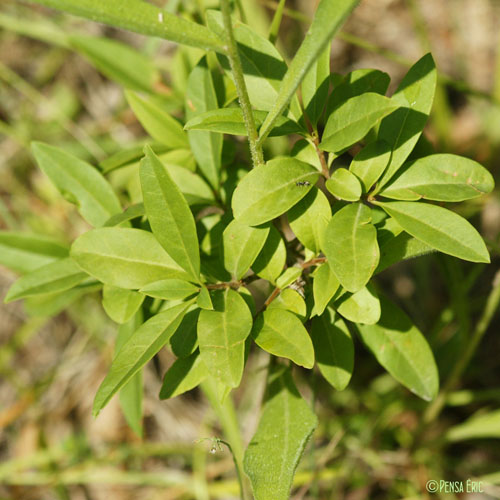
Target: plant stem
[(239, 81), (227, 415), (489, 310)]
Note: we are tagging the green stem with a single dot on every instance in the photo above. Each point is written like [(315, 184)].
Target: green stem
[(239, 81), (227, 415), (470, 348), (276, 23)]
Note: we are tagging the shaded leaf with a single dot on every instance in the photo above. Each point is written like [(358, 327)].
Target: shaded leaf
[(120, 304), (333, 348), (141, 346), (344, 185), (272, 258), (275, 450), (360, 307), (171, 289), (184, 374), (309, 218), (222, 334), (325, 284), (289, 275), (203, 300), (351, 246), (280, 332), (440, 177), (369, 164), (290, 300), (185, 339), (351, 121), (479, 426), (439, 228), (242, 244)]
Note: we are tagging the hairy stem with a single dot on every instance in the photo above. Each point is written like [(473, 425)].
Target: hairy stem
[(239, 81)]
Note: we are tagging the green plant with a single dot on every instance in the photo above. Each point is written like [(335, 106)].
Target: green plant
[(204, 225)]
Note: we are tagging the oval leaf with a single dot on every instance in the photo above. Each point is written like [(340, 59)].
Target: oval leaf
[(85, 186), (222, 334), (439, 228), (124, 257), (402, 350), (284, 428), (120, 304), (344, 185), (309, 218), (173, 289), (440, 177), (169, 214), (369, 164), (351, 121), (334, 349), (351, 246), (360, 307), (272, 258), (281, 333), (325, 284), (242, 244), (141, 346), (270, 190)]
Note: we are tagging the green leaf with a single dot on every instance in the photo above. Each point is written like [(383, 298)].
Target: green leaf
[(124, 257), (185, 374), (402, 129), (272, 258), (270, 190), (140, 17), (78, 180), (334, 349), (356, 83), (231, 121), (53, 277), (172, 289), (328, 18), (141, 346), (284, 429), (280, 332), (185, 339), (344, 185), (439, 228), (131, 394), (24, 252), (117, 61), (401, 247), (200, 98), (204, 301), (325, 284), (168, 213), (351, 121), (402, 350), (351, 246), (440, 177), (132, 212), (360, 307), (157, 122), (369, 164), (315, 87), (262, 65), (242, 244), (289, 275), (120, 304), (222, 334), (309, 218), (290, 300), (479, 426)]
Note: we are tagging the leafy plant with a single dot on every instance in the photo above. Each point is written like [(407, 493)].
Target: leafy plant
[(207, 225)]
